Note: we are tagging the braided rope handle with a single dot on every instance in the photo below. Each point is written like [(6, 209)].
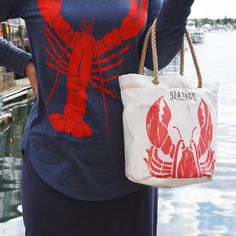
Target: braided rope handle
[(149, 34), (181, 68), (152, 34)]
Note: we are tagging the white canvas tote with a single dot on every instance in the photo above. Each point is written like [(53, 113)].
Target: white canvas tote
[(170, 125)]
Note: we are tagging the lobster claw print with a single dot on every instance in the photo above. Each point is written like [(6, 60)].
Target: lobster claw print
[(191, 158), (80, 50)]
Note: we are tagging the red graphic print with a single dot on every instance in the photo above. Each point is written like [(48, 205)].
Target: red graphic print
[(79, 52), (186, 160)]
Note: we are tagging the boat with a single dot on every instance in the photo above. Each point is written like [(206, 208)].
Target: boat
[(197, 34)]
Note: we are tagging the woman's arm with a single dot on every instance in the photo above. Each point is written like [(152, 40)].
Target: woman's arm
[(12, 57), (171, 26)]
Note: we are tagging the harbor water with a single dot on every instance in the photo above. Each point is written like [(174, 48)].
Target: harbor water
[(205, 209), (209, 209)]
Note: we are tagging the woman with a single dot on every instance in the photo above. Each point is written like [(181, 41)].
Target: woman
[(73, 179)]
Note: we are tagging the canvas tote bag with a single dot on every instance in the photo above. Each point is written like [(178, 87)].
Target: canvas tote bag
[(170, 124)]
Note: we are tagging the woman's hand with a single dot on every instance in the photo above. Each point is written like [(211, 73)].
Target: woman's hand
[(30, 72)]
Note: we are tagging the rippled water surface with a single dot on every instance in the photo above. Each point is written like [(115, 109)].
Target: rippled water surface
[(10, 171), (207, 209)]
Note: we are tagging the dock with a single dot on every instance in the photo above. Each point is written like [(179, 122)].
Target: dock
[(22, 89)]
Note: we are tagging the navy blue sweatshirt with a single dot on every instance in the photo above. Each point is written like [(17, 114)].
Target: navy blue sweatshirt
[(74, 132)]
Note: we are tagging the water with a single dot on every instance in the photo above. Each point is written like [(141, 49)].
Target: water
[(10, 172), (207, 209)]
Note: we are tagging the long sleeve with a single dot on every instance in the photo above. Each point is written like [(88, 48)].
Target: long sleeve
[(11, 56), (171, 25)]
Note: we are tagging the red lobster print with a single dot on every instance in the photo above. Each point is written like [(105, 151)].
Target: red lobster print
[(185, 161), (80, 53)]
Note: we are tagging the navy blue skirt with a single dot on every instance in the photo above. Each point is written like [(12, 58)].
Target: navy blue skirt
[(47, 212)]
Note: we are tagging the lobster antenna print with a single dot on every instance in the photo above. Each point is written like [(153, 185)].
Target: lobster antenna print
[(181, 155), (80, 52), (58, 65)]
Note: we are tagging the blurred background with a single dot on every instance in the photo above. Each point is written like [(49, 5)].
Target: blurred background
[(206, 209)]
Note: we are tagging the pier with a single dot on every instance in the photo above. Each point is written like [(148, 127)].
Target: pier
[(13, 88), (20, 90)]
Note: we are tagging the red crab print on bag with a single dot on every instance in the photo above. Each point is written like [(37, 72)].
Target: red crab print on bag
[(79, 52), (186, 161)]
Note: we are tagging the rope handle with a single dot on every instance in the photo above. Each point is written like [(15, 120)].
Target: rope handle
[(152, 34)]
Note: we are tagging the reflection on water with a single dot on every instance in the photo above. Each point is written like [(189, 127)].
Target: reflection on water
[(206, 209), (10, 169), (209, 209)]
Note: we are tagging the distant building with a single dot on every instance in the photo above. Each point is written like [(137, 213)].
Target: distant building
[(14, 30)]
